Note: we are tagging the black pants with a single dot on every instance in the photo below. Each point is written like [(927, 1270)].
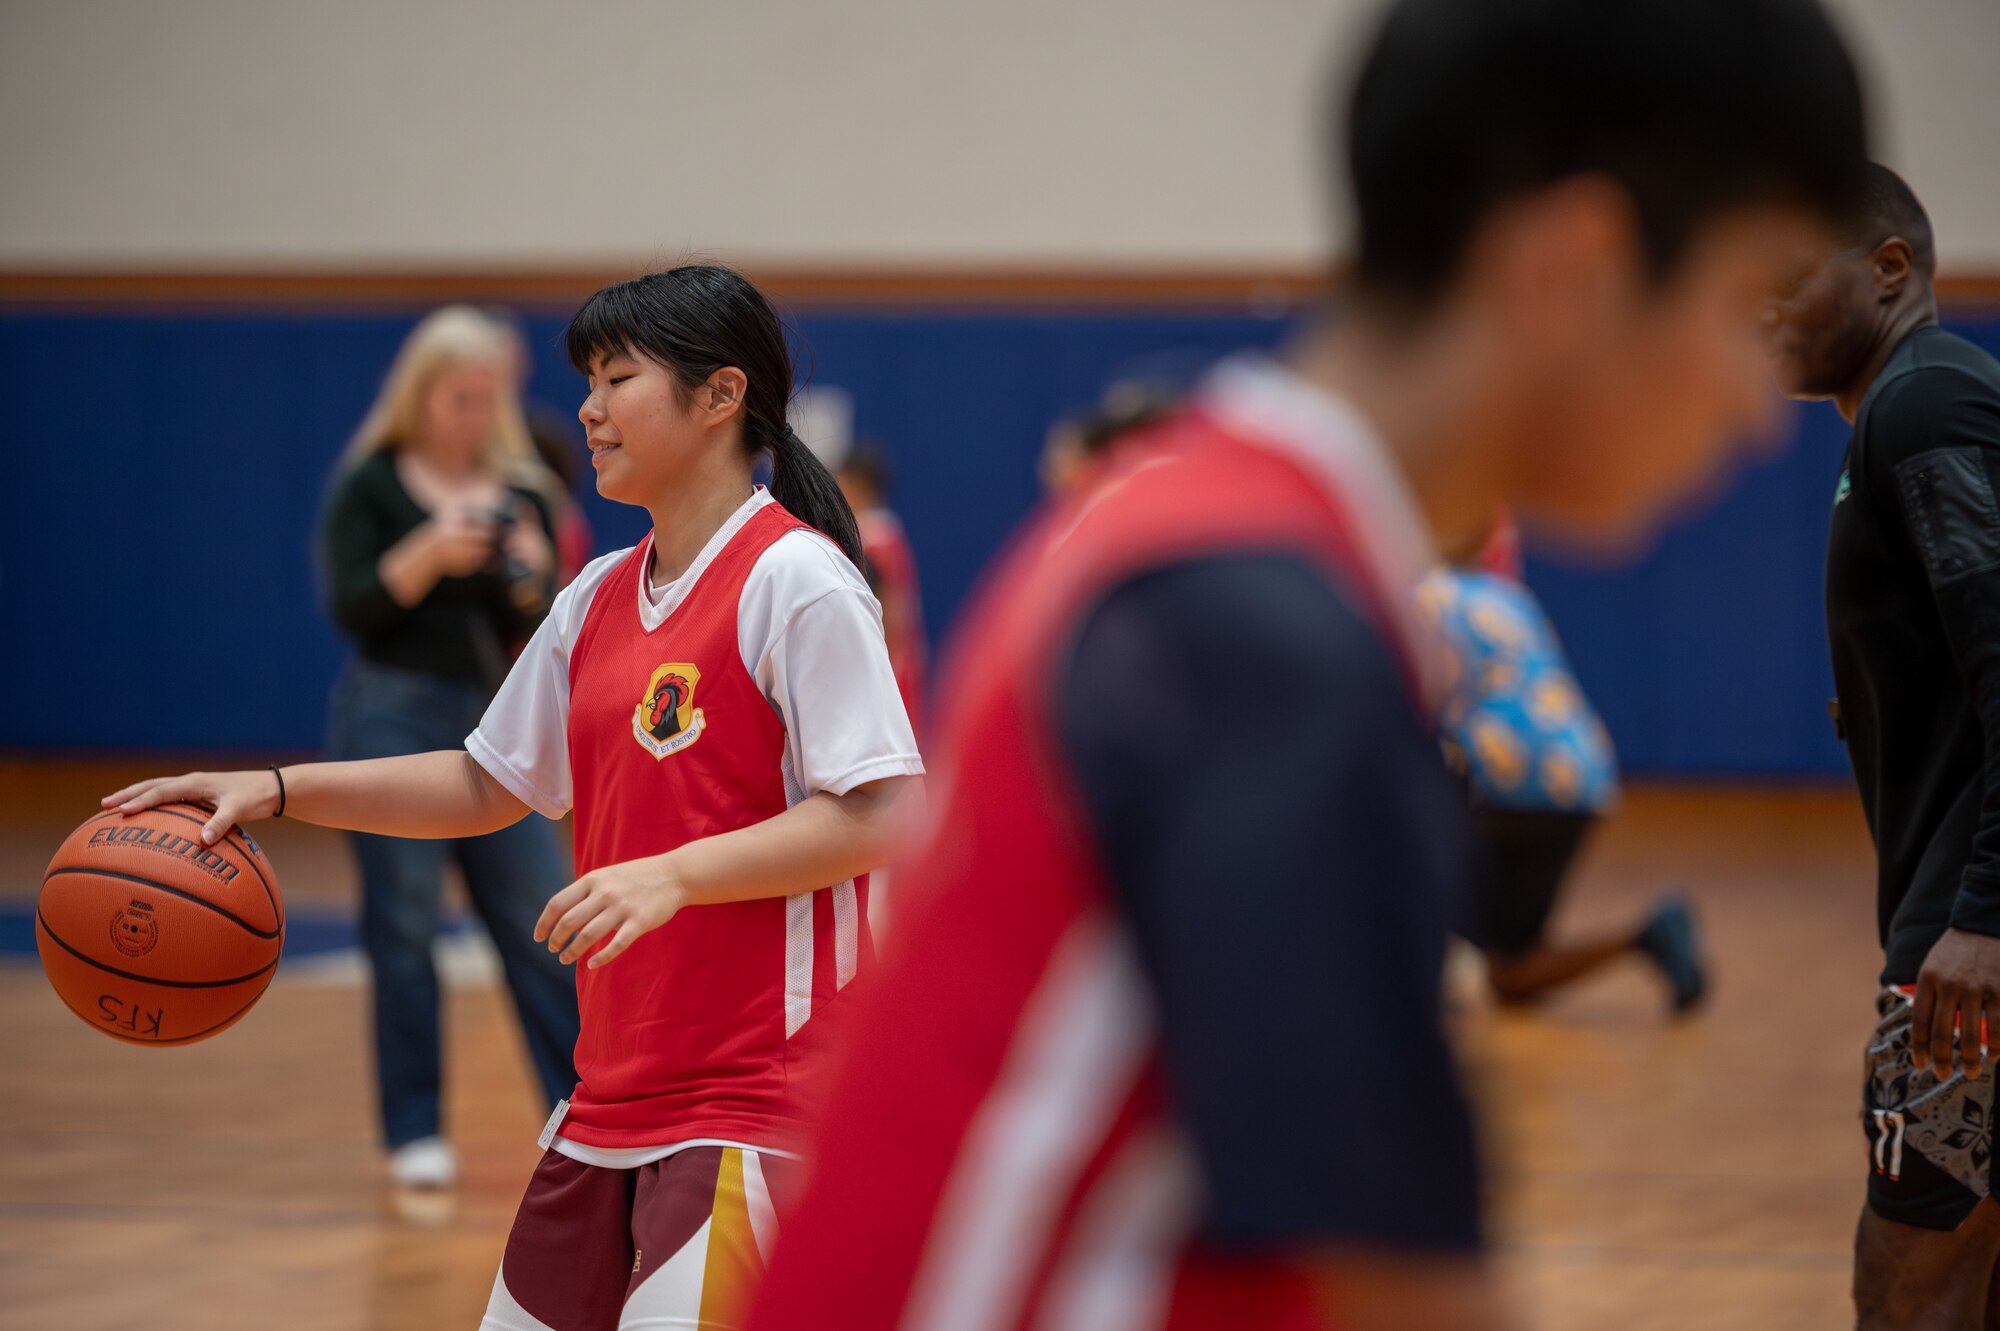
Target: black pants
[(1529, 853)]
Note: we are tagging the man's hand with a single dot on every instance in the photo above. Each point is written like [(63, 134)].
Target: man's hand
[(619, 902), (1958, 986)]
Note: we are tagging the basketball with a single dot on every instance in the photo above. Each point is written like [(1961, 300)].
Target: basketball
[(152, 937)]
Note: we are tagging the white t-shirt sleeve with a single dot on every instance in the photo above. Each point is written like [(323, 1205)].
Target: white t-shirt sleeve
[(811, 636), (523, 739)]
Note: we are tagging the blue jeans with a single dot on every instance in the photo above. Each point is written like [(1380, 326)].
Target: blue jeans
[(382, 712)]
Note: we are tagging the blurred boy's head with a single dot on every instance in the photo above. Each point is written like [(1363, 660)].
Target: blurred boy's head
[(865, 476), (1077, 445), (1599, 196), (1830, 320)]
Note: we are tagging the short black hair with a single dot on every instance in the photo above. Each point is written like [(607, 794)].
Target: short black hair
[(1885, 207), (869, 463), (1694, 107), (1126, 407)]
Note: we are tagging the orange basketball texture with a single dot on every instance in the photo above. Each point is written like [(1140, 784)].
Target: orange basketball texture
[(152, 937)]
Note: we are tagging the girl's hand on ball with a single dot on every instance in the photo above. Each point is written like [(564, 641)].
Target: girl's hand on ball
[(237, 797)]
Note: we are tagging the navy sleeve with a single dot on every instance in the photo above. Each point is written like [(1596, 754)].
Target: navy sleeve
[(1287, 848), (1937, 432)]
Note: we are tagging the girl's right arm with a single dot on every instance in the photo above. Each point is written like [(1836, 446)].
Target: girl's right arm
[(441, 794)]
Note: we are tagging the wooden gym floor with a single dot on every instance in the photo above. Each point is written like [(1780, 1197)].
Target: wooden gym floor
[(1700, 1176)]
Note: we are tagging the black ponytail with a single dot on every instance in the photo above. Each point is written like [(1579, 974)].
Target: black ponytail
[(694, 320), (801, 482)]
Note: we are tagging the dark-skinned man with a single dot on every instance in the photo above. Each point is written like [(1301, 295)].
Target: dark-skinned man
[(1913, 620)]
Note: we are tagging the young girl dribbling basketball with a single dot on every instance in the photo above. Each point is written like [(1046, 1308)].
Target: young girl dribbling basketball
[(717, 706)]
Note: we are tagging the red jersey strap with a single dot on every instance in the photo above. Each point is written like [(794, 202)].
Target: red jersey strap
[(621, 582), (725, 575), (1198, 487), (1383, 606)]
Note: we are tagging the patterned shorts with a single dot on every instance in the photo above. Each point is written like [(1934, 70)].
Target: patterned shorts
[(1930, 1142), (678, 1243)]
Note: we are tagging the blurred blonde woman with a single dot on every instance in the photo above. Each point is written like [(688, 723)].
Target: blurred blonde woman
[(437, 557)]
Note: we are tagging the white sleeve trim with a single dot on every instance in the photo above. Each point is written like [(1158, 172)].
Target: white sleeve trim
[(909, 764), (516, 782), (811, 636)]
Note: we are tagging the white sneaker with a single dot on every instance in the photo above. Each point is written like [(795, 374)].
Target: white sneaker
[(427, 1162)]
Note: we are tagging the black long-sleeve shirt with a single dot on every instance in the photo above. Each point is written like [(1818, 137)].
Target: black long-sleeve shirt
[(1913, 617), (464, 629)]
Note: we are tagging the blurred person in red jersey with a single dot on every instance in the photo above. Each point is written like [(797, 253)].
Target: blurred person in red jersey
[(891, 568), (1077, 446), (1161, 1045)]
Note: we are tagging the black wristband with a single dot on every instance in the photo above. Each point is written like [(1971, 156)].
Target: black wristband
[(279, 812)]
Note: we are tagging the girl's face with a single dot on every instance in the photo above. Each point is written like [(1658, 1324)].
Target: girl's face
[(644, 433), (458, 413)]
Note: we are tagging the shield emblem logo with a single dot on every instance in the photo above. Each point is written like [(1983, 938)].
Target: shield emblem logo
[(666, 719)]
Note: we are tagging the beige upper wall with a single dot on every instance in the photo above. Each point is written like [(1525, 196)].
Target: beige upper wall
[(222, 133)]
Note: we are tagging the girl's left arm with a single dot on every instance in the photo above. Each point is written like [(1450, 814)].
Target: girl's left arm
[(823, 839)]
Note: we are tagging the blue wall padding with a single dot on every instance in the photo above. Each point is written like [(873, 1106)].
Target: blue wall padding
[(157, 585)]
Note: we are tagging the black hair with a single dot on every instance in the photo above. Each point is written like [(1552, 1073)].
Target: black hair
[(1125, 407), (1693, 107), (1885, 207), (695, 319)]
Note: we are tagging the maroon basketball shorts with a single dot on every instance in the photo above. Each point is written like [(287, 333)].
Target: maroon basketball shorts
[(676, 1243)]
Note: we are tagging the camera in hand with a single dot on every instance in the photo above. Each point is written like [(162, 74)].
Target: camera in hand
[(524, 587)]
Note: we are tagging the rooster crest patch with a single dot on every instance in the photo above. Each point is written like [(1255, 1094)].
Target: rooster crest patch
[(666, 719)]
